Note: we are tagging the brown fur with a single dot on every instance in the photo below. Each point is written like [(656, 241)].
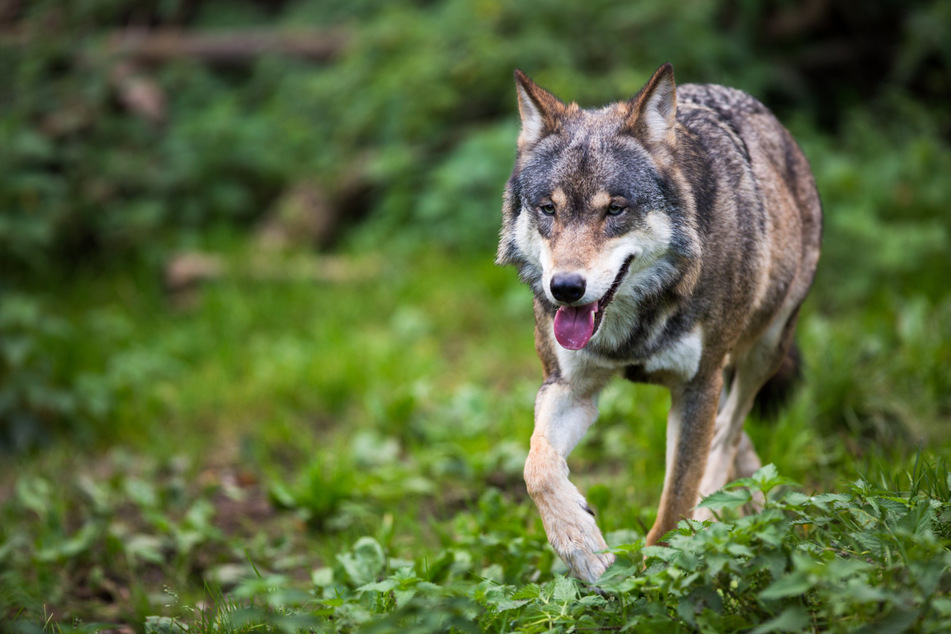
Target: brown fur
[(719, 223)]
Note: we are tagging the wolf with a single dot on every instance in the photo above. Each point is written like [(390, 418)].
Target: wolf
[(670, 239)]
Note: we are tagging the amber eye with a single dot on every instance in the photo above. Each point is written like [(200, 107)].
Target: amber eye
[(547, 208), (615, 209)]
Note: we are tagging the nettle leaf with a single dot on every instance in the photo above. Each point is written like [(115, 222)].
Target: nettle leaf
[(565, 589), (34, 493), (146, 548), (739, 550), (81, 541), (592, 600), (831, 501), (874, 543), (494, 596), (660, 552), (699, 600), (530, 591), (164, 625), (794, 584), (688, 561), (768, 478), (774, 561), (380, 586), (403, 597), (141, 492), (495, 572), (322, 577), (858, 591), (716, 562), (365, 563), (898, 620), (726, 500), (795, 499), (942, 605), (928, 574), (792, 619), (623, 584)]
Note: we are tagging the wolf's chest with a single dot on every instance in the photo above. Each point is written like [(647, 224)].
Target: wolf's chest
[(678, 356)]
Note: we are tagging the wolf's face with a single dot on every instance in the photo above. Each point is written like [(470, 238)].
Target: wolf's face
[(590, 213)]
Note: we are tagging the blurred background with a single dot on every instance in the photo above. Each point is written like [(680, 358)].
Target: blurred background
[(260, 234)]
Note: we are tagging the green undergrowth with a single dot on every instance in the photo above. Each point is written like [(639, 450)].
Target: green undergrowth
[(873, 557), (336, 442)]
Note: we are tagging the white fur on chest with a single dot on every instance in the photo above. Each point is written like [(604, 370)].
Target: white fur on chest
[(681, 357)]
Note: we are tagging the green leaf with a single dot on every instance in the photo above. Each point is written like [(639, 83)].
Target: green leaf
[(365, 562), (145, 547), (565, 589), (726, 500), (164, 625), (322, 577), (827, 501), (528, 591), (34, 494), (793, 584), (379, 586), (792, 619), (660, 552), (80, 542)]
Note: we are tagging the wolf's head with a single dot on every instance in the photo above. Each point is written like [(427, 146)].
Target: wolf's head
[(594, 210)]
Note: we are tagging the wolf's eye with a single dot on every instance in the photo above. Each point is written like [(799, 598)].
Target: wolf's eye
[(547, 208), (615, 209)]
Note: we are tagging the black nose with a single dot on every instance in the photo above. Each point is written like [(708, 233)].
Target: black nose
[(567, 287)]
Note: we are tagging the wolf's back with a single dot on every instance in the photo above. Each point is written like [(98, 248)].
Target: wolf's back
[(757, 206), (710, 110)]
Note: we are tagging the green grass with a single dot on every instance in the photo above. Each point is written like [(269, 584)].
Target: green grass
[(337, 443)]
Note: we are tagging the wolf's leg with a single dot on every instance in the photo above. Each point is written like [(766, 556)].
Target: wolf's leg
[(746, 462), (728, 434), (563, 413), (689, 429), (731, 453)]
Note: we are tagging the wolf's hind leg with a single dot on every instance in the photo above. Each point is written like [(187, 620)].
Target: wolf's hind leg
[(746, 462), (690, 425), (562, 416), (732, 454)]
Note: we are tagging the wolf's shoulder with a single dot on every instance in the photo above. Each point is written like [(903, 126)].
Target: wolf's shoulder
[(725, 102)]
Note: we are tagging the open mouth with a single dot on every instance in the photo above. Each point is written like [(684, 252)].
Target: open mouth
[(575, 325)]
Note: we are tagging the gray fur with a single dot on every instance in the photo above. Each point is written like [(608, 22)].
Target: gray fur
[(721, 211)]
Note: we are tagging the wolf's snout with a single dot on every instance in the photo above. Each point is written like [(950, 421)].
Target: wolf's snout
[(567, 287)]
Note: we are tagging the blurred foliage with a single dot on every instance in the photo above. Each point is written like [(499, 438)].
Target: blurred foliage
[(420, 108), (413, 127)]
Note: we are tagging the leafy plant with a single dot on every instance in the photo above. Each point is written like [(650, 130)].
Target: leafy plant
[(872, 557)]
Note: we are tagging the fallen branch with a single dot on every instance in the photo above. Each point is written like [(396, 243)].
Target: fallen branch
[(224, 48)]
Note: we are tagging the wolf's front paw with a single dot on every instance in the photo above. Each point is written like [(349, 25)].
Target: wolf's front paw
[(576, 538), (589, 566)]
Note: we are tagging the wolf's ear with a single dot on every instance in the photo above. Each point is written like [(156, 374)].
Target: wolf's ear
[(652, 112), (539, 108)]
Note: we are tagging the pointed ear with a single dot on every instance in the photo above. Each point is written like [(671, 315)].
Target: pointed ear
[(540, 110), (653, 111)]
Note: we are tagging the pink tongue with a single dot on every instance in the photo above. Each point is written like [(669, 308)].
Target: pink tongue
[(574, 325)]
